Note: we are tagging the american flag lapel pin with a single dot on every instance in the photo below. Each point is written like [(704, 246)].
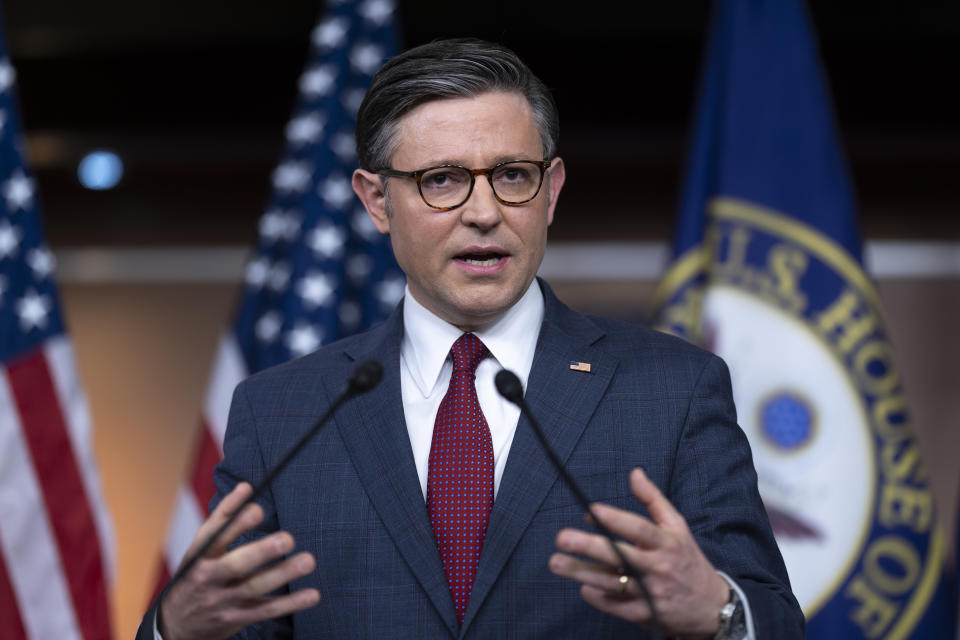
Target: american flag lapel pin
[(580, 366)]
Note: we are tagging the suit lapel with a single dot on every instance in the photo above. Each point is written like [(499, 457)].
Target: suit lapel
[(374, 431), (562, 400)]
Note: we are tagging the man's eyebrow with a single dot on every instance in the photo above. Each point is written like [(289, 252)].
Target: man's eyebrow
[(512, 157), (507, 157), (447, 161)]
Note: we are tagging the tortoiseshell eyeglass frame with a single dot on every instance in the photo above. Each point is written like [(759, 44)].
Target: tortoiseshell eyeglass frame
[(543, 165)]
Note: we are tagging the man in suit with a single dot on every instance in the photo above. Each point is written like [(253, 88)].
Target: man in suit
[(427, 508)]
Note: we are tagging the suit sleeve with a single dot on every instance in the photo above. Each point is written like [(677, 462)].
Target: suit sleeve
[(714, 485)]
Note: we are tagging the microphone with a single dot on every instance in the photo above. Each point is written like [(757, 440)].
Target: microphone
[(509, 386), (364, 377)]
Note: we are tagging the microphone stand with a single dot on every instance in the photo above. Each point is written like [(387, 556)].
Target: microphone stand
[(508, 385)]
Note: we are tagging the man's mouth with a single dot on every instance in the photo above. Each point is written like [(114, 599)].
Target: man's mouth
[(487, 259)]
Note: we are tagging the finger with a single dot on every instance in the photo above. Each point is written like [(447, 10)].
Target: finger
[(251, 516), (592, 574), (597, 547), (278, 575), (629, 525), (586, 544), (241, 562), (230, 503), (662, 512), (267, 608), (634, 608)]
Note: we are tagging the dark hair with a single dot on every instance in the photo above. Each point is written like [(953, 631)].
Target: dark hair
[(455, 68)]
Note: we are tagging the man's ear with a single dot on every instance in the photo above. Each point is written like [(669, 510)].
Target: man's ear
[(369, 188), (557, 175)]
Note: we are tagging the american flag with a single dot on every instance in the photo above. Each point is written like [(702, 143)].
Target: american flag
[(55, 535), (320, 270)]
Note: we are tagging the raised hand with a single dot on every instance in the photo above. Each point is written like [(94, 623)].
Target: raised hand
[(686, 590), (227, 590)]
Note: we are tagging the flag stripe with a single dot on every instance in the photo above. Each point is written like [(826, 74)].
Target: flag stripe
[(27, 543), (62, 488), (54, 527), (11, 626), (206, 457), (228, 371), (187, 518), (63, 369)]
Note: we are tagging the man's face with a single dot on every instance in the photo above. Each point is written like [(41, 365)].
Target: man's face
[(470, 264)]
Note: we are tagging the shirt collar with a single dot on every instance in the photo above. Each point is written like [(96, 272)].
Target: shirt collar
[(511, 338)]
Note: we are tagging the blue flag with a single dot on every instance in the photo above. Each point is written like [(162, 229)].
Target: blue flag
[(768, 274)]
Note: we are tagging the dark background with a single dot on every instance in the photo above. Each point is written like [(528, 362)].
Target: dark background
[(194, 97)]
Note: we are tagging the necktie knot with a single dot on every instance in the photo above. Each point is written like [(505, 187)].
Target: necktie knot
[(467, 353)]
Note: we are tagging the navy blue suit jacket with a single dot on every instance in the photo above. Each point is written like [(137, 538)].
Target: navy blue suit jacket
[(353, 497)]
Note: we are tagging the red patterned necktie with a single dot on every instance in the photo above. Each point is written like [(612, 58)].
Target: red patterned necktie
[(460, 473)]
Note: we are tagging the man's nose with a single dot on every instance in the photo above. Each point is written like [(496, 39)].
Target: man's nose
[(482, 209)]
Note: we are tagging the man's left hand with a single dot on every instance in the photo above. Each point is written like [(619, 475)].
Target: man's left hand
[(686, 590)]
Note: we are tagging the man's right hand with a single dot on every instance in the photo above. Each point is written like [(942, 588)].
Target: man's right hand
[(227, 590)]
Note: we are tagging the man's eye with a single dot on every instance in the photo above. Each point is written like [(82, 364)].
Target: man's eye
[(440, 180), (512, 175)]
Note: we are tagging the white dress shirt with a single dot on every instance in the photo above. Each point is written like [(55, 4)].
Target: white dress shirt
[(426, 368)]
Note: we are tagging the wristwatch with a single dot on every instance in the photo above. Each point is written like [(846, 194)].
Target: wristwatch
[(733, 623)]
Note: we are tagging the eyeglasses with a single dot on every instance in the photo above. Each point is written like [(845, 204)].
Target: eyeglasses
[(449, 186)]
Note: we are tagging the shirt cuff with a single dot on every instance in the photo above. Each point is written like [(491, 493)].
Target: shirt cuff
[(751, 633)]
